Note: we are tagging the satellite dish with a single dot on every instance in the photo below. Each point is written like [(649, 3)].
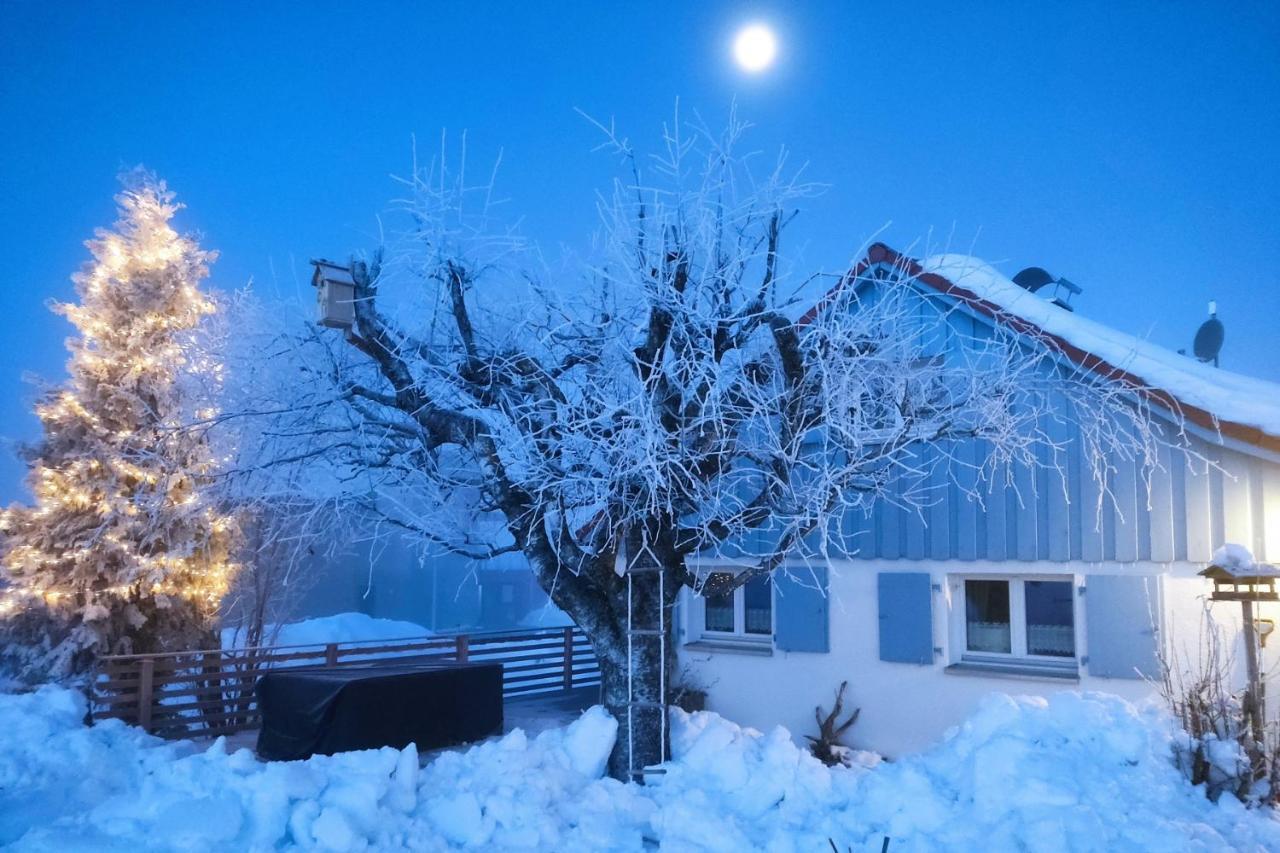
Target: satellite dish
[(1209, 339), (1033, 278)]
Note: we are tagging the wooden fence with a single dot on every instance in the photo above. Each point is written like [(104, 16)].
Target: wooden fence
[(210, 693)]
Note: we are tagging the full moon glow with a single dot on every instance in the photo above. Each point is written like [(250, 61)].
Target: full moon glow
[(755, 48)]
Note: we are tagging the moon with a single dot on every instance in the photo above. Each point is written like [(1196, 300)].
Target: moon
[(754, 48)]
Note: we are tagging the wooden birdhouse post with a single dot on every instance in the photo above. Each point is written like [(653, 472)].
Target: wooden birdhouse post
[(1236, 577), (335, 295)]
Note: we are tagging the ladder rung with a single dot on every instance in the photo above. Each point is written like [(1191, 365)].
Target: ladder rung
[(653, 771), (644, 570), (646, 632), (644, 703)]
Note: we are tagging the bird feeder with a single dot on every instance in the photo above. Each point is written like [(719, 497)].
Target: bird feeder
[(1236, 577), (335, 295), (1242, 581)]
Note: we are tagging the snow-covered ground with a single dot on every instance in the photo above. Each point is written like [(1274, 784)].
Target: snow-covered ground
[(546, 616), (338, 628), (1078, 772)]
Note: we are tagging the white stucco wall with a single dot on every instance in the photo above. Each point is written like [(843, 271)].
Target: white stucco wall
[(906, 707)]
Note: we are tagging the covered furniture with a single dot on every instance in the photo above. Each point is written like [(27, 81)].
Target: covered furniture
[(323, 711)]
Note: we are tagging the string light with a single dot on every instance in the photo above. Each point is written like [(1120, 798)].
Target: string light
[(118, 514)]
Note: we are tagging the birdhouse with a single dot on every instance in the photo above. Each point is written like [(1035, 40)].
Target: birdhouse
[(1236, 577), (335, 295)]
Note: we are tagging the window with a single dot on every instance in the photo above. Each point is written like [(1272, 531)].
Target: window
[(744, 613), (986, 617), (720, 615), (1017, 621), (757, 606), (1050, 614)]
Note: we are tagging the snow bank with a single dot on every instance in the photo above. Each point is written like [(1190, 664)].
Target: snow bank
[(338, 628), (1229, 396), (1078, 772), (546, 616), (68, 787)]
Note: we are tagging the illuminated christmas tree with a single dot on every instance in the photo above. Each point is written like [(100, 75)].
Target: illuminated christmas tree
[(125, 550)]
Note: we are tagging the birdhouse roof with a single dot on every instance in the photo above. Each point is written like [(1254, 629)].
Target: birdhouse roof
[(330, 271)]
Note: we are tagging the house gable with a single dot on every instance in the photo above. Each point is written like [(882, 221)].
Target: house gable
[(1216, 488), (1167, 378)]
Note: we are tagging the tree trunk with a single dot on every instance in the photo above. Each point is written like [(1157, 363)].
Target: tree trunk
[(635, 686), (628, 634)]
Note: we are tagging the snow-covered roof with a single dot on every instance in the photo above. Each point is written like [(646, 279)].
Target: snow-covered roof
[(1242, 407), (1237, 561)]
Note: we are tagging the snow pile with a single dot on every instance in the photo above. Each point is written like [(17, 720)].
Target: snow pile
[(67, 787), (1229, 396), (338, 628), (1079, 772), (1238, 560), (546, 616)]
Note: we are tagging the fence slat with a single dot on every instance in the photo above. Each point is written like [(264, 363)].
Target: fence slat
[(211, 692), (145, 675), (568, 659)]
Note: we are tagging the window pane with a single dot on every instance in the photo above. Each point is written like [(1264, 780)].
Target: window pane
[(719, 608), (987, 616), (757, 595), (1050, 622)]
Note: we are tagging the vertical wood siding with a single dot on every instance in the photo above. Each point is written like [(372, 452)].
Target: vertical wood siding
[(1182, 511)]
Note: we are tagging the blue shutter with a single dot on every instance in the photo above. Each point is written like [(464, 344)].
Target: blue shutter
[(906, 617), (800, 617), (1121, 615)]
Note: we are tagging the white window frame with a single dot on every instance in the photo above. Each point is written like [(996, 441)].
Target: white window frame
[(1018, 656), (739, 633)]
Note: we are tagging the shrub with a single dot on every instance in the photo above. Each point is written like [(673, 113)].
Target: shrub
[(829, 747), (1226, 746)]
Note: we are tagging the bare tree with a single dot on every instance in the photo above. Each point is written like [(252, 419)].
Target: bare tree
[(283, 543), (277, 412), (677, 410)]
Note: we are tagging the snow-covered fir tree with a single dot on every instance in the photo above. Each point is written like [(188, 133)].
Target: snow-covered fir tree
[(125, 549)]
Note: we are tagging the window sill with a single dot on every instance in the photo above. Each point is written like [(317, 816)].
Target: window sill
[(732, 646), (1020, 671)]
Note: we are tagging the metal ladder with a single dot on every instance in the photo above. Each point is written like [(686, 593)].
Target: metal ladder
[(640, 563)]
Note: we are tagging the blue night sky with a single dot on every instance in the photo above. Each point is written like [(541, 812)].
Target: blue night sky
[(1130, 147)]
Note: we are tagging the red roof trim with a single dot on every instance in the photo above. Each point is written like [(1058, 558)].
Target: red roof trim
[(879, 253)]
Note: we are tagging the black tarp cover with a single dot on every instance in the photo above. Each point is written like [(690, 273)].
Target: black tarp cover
[(323, 711)]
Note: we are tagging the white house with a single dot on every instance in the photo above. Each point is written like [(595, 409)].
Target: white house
[(1023, 595)]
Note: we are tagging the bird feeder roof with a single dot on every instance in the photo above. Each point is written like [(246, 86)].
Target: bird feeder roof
[(1235, 564), (332, 272)]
